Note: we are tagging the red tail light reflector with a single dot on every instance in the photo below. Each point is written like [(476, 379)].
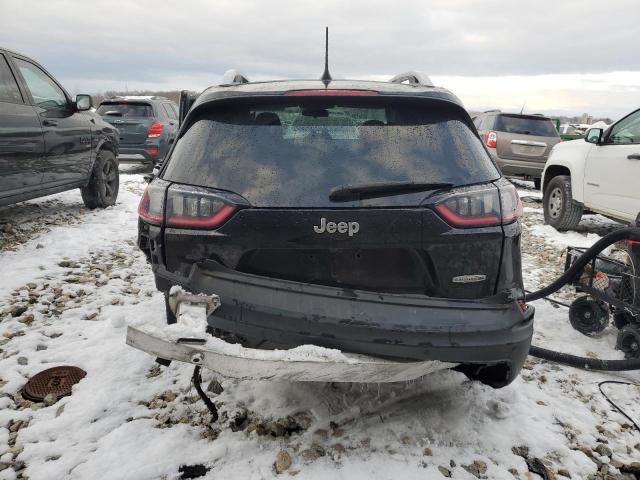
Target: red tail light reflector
[(491, 139), (481, 206), (195, 207), (155, 130), (151, 206), (471, 207)]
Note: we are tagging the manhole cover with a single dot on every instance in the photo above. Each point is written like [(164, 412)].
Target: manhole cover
[(57, 381)]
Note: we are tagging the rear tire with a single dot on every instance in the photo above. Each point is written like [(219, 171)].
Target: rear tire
[(102, 190), (537, 182), (560, 211)]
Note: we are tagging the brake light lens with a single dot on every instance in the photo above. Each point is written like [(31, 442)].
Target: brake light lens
[(151, 206), (155, 130), (337, 93), (195, 207), (510, 202), (483, 206), (491, 139), (471, 207)]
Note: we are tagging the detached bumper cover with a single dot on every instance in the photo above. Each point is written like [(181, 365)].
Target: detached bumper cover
[(270, 313), (306, 363)]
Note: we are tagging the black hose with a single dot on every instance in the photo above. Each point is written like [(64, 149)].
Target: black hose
[(614, 404), (628, 233), (585, 362), (207, 401)]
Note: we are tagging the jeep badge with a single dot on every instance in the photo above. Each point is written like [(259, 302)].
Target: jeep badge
[(351, 228)]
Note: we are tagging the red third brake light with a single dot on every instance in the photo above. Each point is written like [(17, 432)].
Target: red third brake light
[(155, 130), (491, 139), (337, 93)]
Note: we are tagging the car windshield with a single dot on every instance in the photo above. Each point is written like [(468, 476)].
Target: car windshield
[(125, 109), (526, 125), (293, 152)]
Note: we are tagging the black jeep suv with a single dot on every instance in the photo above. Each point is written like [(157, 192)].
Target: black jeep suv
[(362, 216), (50, 143)]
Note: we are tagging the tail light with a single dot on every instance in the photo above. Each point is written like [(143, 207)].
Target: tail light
[(151, 208), (184, 206), (195, 207), (155, 130), (482, 206), (491, 139)]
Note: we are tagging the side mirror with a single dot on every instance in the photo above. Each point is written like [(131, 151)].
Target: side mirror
[(593, 135), (83, 103)]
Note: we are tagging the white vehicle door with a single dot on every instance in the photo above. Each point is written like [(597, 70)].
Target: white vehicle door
[(612, 175)]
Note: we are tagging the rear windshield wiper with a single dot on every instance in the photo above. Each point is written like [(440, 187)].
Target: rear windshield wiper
[(347, 193)]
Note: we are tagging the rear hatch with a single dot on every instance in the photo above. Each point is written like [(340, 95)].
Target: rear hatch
[(132, 119), (375, 193), (525, 137)]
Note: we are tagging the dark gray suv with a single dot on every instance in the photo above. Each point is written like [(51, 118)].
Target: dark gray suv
[(361, 216), (147, 125), (520, 144), (50, 143)]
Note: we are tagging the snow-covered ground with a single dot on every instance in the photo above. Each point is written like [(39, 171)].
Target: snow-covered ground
[(72, 279)]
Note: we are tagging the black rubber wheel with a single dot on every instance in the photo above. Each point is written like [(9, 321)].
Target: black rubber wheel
[(537, 182), (560, 211), (102, 190), (622, 318), (629, 341), (588, 316)]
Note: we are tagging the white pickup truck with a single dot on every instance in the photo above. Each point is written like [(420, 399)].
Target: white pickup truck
[(600, 173)]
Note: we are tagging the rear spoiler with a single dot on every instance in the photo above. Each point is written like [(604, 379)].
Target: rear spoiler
[(186, 101)]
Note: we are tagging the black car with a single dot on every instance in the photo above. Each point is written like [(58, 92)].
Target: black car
[(50, 143), (362, 216), (147, 125)]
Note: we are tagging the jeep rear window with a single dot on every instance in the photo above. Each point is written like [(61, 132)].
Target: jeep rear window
[(293, 151), (125, 109), (529, 125)]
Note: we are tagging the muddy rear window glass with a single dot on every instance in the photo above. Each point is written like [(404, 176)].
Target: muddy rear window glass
[(542, 127), (125, 109), (292, 152)]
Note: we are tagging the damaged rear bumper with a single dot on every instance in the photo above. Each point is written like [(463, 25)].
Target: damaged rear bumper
[(266, 313), (248, 363)]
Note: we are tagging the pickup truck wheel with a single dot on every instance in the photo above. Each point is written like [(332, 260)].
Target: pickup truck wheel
[(560, 211), (102, 190)]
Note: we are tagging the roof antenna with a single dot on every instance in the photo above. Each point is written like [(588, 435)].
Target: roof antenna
[(326, 76), (522, 109)]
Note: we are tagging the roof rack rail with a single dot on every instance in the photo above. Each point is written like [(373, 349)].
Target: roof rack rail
[(233, 77), (495, 110), (414, 78)]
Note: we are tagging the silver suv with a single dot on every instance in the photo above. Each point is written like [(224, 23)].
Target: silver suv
[(520, 144)]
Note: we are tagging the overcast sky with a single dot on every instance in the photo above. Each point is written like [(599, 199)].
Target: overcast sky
[(553, 56)]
